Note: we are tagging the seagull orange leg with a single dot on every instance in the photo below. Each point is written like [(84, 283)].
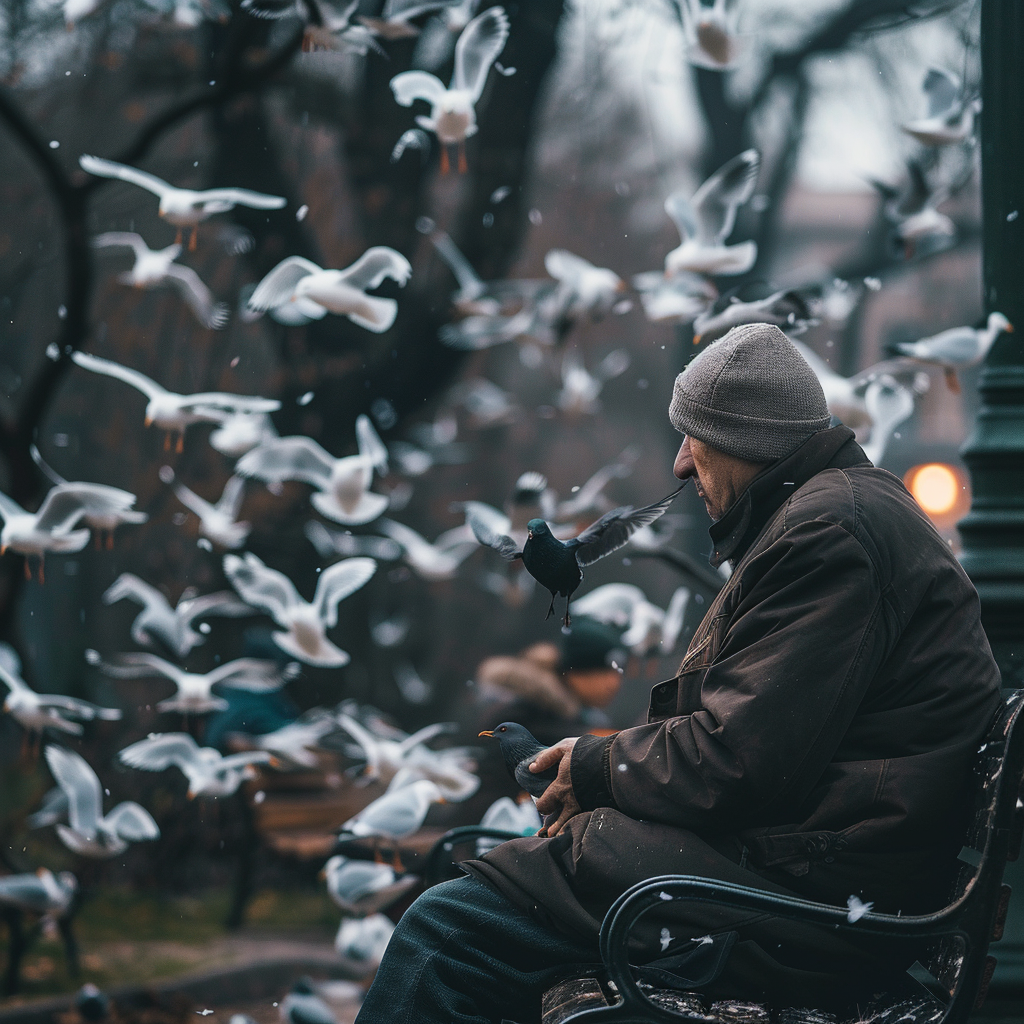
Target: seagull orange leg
[(42, 571), (110, 541), (167, 441), (177, 237), (179, 444), (952, 381), (193, 240), (396, 863), (463, 165), (28, 569), (445, 166)]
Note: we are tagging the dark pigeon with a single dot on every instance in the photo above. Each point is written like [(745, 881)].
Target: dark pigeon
[(518, 749)]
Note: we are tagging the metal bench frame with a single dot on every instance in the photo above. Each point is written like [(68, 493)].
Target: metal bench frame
[(954, 940)]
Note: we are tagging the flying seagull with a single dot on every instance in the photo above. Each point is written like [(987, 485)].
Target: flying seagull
[(950, 117), (452, 110), (218, 522), (558, 565), (172, 412), (156, 267), (182, 207)]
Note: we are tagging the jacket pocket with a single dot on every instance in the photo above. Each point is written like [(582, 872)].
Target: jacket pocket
[(792, 852)]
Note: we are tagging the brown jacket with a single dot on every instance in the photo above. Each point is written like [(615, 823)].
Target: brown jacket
[(822, 722)]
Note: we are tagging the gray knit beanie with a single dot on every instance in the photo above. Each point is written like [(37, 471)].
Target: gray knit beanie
[(751, 395)]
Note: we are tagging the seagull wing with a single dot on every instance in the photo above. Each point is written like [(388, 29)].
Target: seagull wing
[(121, 238), (288, 458), (135, 665), (9, 507), (566, 266), (210, 314), (279, 285), (337, 582), (483, 528), (243, 197), (681, 211), (488, 515), (235, 761), (140, 381), (259, 675), (200, 506), (72, 773), (109, 169), (410, 86), (715, 202), (378, 262), (65, 504), (478, 48), (261, 586), (424, 735), (469, 281), (613, 530), (370, 444), (942, 89), (210, 403), (13, 682), (133, 822), (223, 602), (231, 497), (129, 585), (160, 751)]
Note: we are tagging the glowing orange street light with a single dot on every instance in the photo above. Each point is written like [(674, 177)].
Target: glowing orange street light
[(939, 489)]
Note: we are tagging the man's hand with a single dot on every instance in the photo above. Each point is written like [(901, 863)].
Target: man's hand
[(558, 798)]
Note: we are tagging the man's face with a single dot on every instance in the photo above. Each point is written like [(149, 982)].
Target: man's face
[(719, 478)]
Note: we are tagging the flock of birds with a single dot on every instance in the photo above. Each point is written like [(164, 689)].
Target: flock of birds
[(550, 537)]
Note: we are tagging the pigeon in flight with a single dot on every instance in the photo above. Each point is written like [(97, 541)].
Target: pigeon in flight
[(305, 624), (182, 207), (172, 412), (156, 267), (343, 292), (452, 110), (519, 748), (706, 220), (88, 831), (172, 626), (558, 565)]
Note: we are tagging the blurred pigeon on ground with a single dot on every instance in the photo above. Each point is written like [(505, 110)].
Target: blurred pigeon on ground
[(305, 623), (217, 523), (209, 772), (342, 485), (336, 291), (452, 109), (172, 626), (706, 220), (950, 117), (156, 267), (519, 749), (361, 887), (182, 207), (88, 831)]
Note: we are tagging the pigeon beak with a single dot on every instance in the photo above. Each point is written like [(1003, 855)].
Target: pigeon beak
[(487, 732)]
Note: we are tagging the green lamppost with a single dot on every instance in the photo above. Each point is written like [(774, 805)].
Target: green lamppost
[(993, 531)]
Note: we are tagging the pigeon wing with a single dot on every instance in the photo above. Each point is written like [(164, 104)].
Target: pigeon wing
[(613, 530), (338, 582), (378, 262), (279, 285), (109, 169), (488, 515), (715, 202), (942, 89), (261, 586), (477, 49), (488, 536), (111, 369), (288, 458), (133, 822), (72, 773)]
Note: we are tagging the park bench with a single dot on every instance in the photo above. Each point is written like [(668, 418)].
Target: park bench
[(954, 941)]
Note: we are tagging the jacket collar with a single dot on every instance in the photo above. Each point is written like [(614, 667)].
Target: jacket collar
[(733, 534)]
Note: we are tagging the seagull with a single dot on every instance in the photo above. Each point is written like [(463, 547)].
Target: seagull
[(505, 815), (590, 496), (54, 808), (680, 297), (581, 388), (386, 757), (395, 815), (89, 833), (582, 287), (452, 110), (217, 523), (612, 603), (294, 743), (209, 773), (956, 349), (361, 942), (342, 484), (361, 888), (303, 1006), (52, 528), (439, 561), (710, 33), (706, 221), (652, 628), (182, 207), (343, 292), (487, 404), (156, 267), (456, 782), (41, 892), (473, 296), (889, 404), (950, 117), (911, 208), (785, 309), (35, 712), (395, 21), (304, 624), (238, 433), (102, 521), (558, 565), (171, 626), (194, 693), (173, 412), (330, 543), (336, 32)]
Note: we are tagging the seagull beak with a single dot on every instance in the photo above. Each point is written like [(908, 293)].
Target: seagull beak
[(696, 338), (148, 421), (3, 549), (190, 795), (322, 874), (274, 762), (1008, 328), (487, 732)]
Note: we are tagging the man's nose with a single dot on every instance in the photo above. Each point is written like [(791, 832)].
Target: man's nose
[(684, 466)]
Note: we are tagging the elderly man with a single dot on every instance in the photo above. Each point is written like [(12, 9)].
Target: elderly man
[(816, 739)]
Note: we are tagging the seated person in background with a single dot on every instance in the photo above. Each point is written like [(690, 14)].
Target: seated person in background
[(817, 739)]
